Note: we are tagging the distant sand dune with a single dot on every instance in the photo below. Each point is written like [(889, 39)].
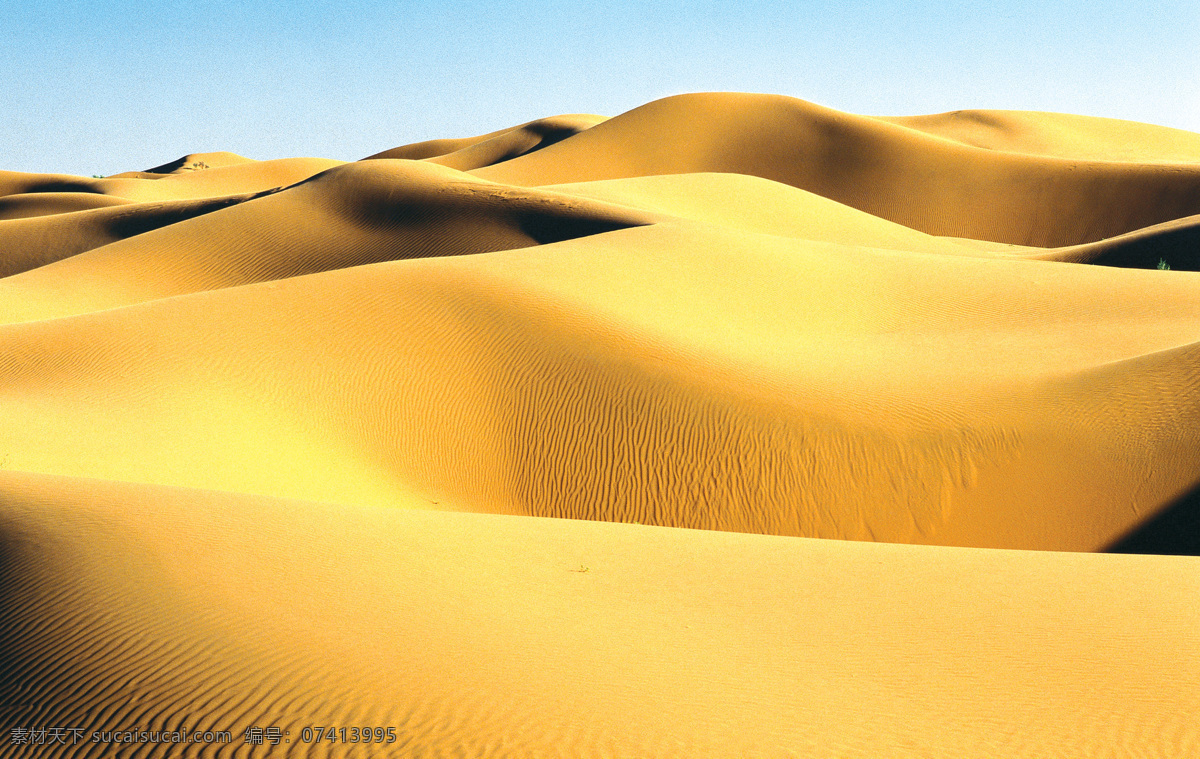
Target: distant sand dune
[(26, 205), (35, 241), (408, 441), (903, 175), (199, 162), (352, 215), (1061, 135), (495, 147)]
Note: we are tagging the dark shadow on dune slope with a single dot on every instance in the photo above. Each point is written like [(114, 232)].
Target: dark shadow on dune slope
[(489, 149), (549, 135), (169, 166), (61, 185), (1174, 245), (135, 221), (547, 228), (29, 243), (446, 221), (26, 205), (190, 162), (1175, 531)]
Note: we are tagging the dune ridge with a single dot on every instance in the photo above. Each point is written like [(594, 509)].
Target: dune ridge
[(1060, 135), (350, 216), (693, 431), (904, 175), (495, 147)]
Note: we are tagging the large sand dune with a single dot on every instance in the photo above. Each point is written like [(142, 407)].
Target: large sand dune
[(278, 440)]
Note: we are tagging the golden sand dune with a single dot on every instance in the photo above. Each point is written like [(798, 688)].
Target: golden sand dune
[(904, 175), (776, 386), (231, 179), (34, 241), (25, 205), (493, 148), (241, 402), (477, 635), (1061, 135), (351, 215), (199, 162)]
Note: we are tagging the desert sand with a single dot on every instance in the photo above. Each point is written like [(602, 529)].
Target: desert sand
[(731, 426)]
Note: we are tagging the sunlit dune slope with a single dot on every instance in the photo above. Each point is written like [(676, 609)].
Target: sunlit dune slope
[(476, 635), (701, 377), (753, 204), (35, 241)]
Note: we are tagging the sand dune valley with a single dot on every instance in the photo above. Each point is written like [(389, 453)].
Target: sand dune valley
[(730, 426)]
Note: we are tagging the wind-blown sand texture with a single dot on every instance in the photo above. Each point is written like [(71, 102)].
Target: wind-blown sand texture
[(409, 441)]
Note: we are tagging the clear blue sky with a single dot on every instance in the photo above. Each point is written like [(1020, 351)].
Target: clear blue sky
[(99, 87)]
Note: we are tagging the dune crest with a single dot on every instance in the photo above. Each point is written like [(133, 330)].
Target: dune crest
[(199, 162), (496, 147), (929, 183), (1061, 135)]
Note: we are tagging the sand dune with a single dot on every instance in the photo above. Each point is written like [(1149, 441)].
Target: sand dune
[(495, 147), (26, 205), (478, 635), (199, 162), (777, 386), (410, 441), (904, 175), (34, 241), (351, 215), (1061, 135)]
